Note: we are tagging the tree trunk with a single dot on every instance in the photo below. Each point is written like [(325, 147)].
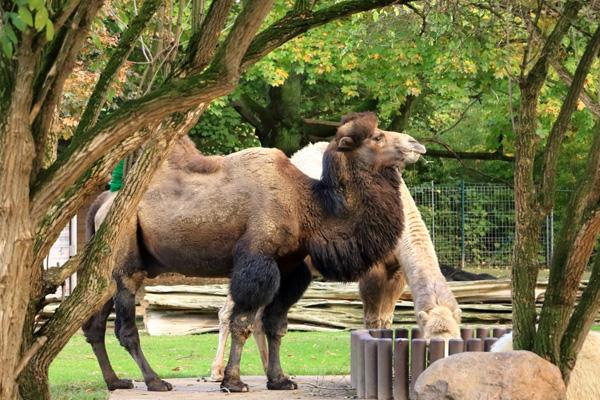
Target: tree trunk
[(528, 220), (95, 285), (16, 238), (402, 116)]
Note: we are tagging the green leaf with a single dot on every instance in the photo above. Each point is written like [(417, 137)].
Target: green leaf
[(41, 17), (49, 30), (36, 5), (7, 46), (18, 22), (26, 16), (8, 30)]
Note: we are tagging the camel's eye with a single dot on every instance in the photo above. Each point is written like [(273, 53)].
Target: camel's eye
[(378, 138)]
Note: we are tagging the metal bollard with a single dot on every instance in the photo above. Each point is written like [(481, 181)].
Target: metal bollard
[(474, 345), (488, 343), (417, 360), (401, 369), (371, 369), (482, 333), (415, 333), (498, 332), (363, 336), (466, 333), (384, 369), (401, 333), (436, 350), (456, 346)]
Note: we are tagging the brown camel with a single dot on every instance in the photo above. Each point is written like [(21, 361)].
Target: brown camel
[(436, 309), (253, 217)]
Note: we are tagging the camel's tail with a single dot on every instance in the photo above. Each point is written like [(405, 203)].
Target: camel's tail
[(90, 226)]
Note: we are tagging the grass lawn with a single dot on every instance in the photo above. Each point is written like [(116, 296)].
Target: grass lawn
[(75, 374)]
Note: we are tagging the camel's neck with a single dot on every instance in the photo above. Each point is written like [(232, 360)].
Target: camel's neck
[(360, 219)]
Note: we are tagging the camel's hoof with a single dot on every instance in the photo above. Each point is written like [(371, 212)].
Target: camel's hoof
[(234, 385), (120, 384), (283, 384), (158, 385), (216, 374)]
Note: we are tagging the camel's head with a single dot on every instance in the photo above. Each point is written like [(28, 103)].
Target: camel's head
[(440, 323), (359, 137)]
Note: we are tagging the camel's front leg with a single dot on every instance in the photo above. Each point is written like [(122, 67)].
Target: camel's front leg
[(254, 282), (380, 288), (275, 323), (218, 365)]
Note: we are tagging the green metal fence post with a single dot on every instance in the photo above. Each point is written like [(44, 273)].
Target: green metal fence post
[(433, 214), (462, 224)]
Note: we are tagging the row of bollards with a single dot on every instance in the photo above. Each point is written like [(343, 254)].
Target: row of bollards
[(385, 363)]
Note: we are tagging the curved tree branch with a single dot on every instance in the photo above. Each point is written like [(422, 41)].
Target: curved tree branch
[(294, 24), (203, 43), (586, 97), (562, 122), (120, 54)]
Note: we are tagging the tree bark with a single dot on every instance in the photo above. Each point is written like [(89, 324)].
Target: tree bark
[(528, 213), (95, 285), (580, 323), (571, 256), (16, 236)]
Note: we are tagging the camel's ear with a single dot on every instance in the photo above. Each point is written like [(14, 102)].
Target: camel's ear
[(422, 317), (457, 314), (346, 143)]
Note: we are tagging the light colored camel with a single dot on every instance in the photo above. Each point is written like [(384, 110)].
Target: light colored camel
[(413, 259), (254, 217), (584, 383)]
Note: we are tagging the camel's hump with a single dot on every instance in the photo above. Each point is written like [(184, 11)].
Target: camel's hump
[(256, 155)]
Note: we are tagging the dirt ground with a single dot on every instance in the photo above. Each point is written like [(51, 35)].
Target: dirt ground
[(309, 387)]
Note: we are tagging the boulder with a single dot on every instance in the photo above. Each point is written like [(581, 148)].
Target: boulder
[(514, 375)]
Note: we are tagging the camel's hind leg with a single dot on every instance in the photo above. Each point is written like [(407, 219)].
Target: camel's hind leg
[(94, 330), (254, 282), (218, 365), (261, 339), (292, 287), (380, 288), (128, 335)]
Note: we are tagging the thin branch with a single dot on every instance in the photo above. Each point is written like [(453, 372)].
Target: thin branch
[(562, 122), (40, 341), (293, 25), (230, 53), (247, 108), (120, 54), (202, 45), (54, 277), (471, 155), (48, 99), (476, 98), (585, 96), (64, 14)]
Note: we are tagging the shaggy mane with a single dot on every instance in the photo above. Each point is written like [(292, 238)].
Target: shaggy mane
[(347, 251)]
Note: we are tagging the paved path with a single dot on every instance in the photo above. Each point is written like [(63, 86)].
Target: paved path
[(309, 387)]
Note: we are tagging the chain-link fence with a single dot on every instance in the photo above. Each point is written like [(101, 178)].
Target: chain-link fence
[(474, 224)]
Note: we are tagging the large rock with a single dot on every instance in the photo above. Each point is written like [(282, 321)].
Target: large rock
[(514, 375)]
